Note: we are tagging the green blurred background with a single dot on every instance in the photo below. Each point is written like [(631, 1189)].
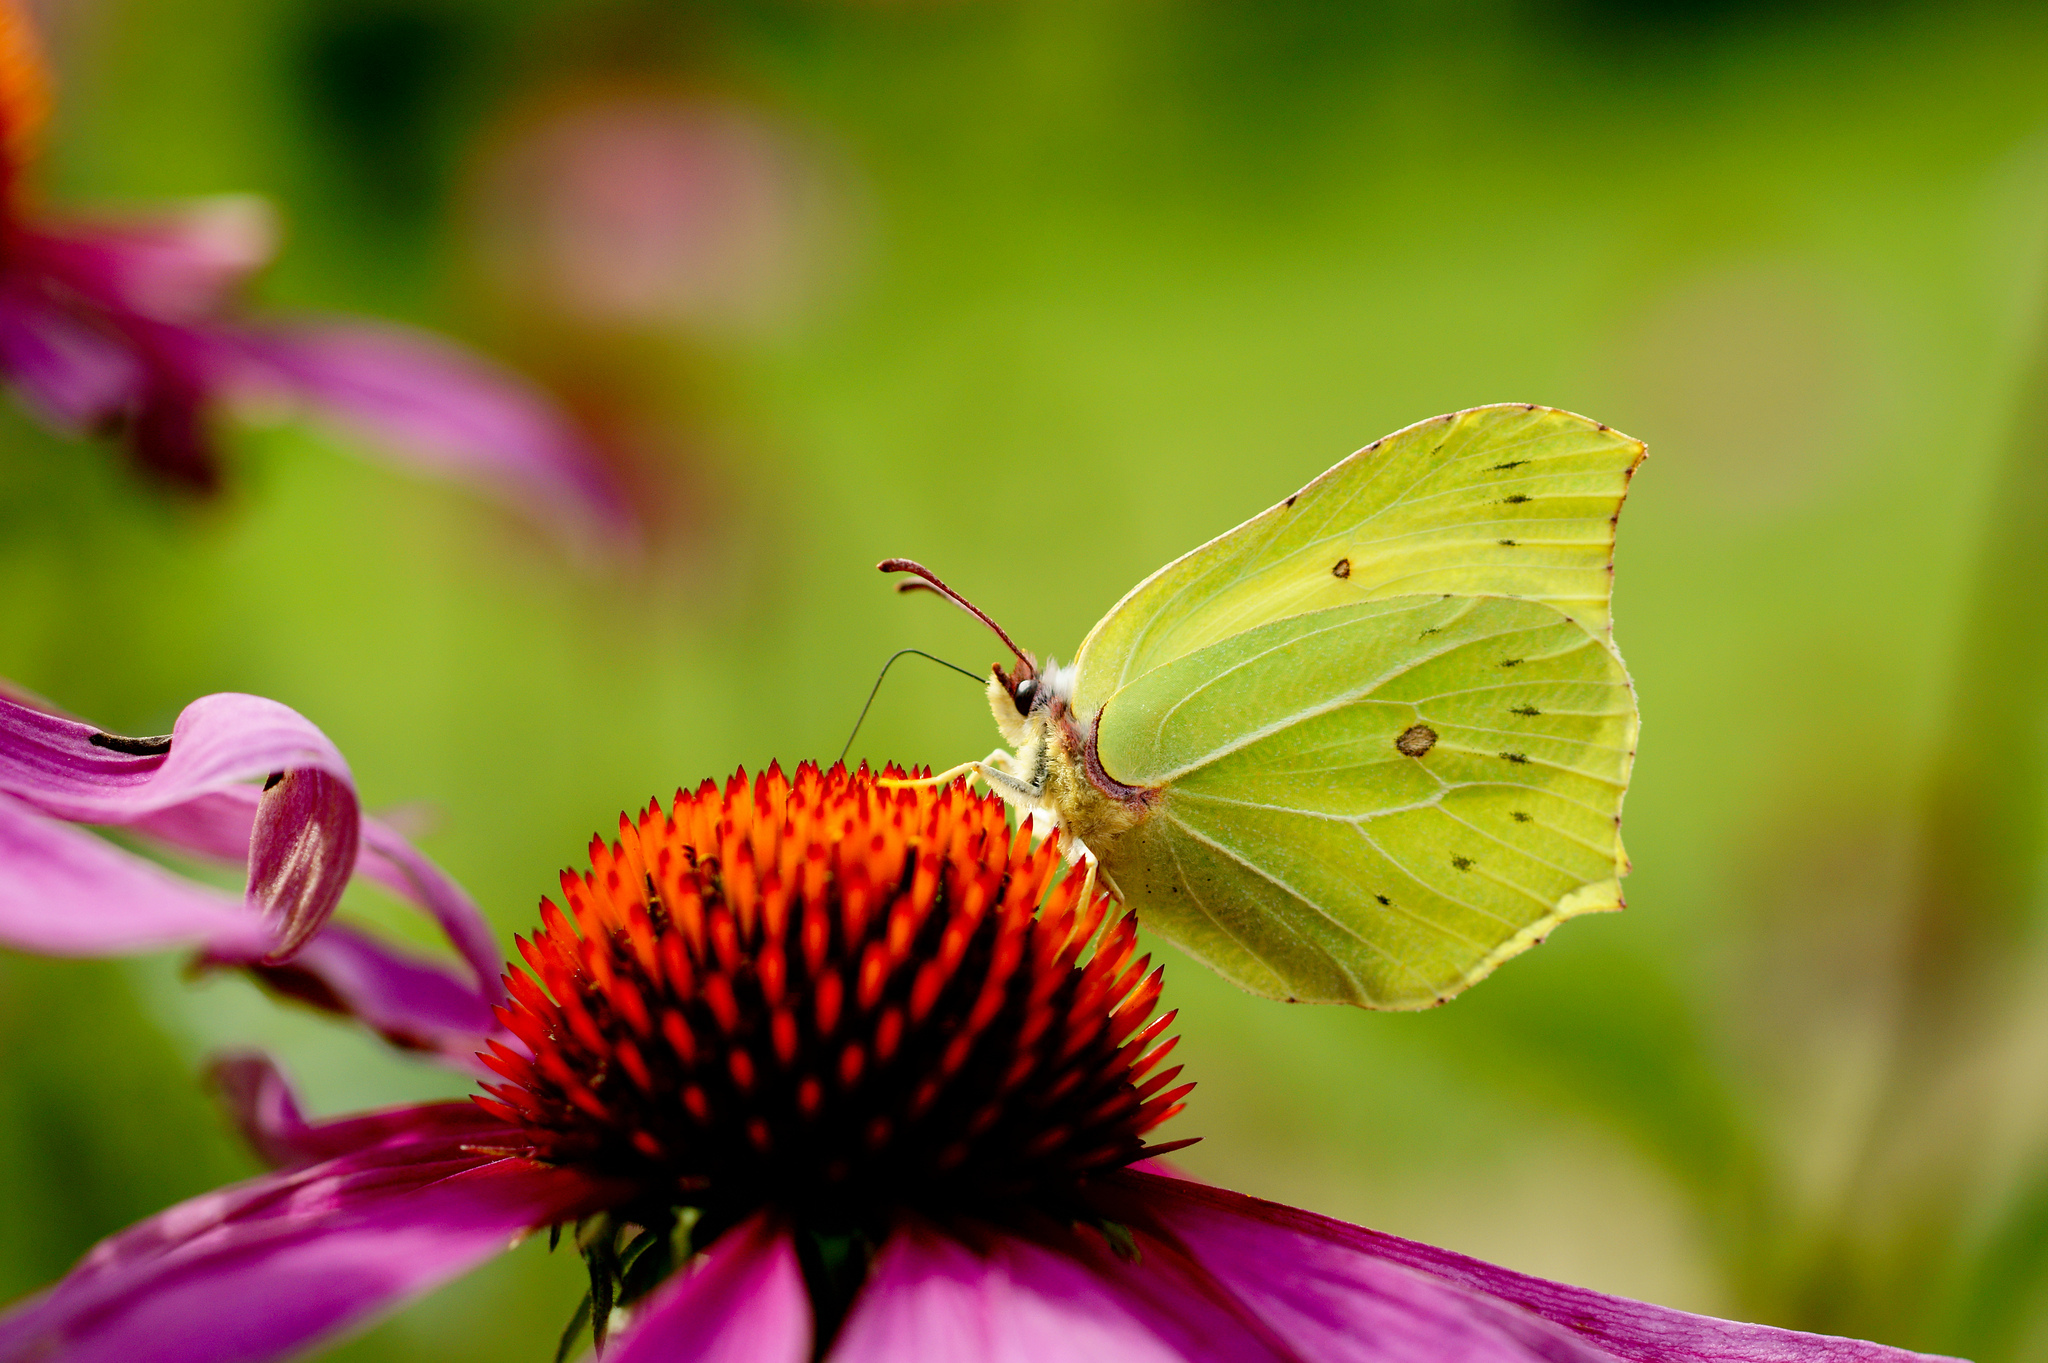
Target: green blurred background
[(1044, 293)]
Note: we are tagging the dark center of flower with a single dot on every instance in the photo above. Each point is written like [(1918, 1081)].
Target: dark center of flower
[(833, 998)]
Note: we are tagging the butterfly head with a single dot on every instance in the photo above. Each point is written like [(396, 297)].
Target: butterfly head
[(1028, 697)]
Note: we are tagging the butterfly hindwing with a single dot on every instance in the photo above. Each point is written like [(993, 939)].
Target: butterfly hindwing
[(1375, 803)]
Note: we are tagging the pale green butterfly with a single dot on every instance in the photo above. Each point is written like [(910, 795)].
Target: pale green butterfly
[(1369, 744)]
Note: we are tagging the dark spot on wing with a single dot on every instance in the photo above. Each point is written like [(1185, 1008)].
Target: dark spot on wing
[(1525, 710), (134, 747), (1515, 500), (1510, 662), (272, 779), (1511, 464), (1383, 899), (1433, 629), (1341, 568), (1290, 500), (1520, 758), (1519, 816), (1508, 544), (1462, 863), (1415, 740)]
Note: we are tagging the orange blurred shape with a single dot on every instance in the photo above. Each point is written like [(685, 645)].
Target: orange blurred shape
[(24, 82)]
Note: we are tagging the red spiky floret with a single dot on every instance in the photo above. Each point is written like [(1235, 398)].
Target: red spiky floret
[(829, 994)]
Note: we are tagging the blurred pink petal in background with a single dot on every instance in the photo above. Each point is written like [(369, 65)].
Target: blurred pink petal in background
[(650, 210)]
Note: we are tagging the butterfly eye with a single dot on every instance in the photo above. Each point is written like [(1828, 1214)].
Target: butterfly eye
[(1021, 697)]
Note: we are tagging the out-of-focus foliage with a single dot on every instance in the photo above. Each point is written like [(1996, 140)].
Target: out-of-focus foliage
[(1045, 294)]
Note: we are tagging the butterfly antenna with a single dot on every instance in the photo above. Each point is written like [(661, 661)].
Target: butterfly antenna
[(932, 583), (873, 691)]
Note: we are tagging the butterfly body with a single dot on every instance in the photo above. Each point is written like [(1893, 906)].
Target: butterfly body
[(1052, 770), (1370, 743)]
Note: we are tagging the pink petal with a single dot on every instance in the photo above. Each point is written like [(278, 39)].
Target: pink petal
[(410, 1002), (1338, 1292), (184, 262), (266, 1267), (266, 1111), (742, 1301), (393, 862), (75, 376), (219, 826), (65, 892), (307, 824), (446, 411), (929, 1296)]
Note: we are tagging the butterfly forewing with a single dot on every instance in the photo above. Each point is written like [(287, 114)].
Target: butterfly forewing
[(1375, 803), (1502, 501)]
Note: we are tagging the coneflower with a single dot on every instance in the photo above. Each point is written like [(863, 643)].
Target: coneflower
[(819, 1068)]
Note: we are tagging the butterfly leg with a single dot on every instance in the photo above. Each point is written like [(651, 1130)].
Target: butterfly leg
[(992, 771), (1077, 853)]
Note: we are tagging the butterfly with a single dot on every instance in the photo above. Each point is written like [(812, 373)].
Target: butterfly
[(1372, 742)]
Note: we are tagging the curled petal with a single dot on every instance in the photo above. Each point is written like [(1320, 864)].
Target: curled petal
[(446, 411), (743, 1301), (1340, 1293), (301, 853), (65, 892), (1014, 1301), (306, 829), (264, 1268), (219, 826)]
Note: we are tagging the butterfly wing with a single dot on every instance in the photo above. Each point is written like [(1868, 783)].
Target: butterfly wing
[(1376, 803), (1499, 501)]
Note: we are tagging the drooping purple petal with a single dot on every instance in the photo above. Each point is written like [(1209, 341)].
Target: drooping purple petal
[(390, 859), (262, 1269), (410, 1002), (264, 1108), (306, 829), (443, 410), (1338, 1292), (74, 375), (743, 1301), (219, 826), (185, 262), (266, 1111), (66, 892), (1013, 1301)]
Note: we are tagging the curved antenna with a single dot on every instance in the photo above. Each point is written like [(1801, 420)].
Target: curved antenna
[(932, 583), (873, 691)]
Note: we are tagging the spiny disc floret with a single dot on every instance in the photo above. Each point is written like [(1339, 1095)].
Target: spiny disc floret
[(830, 993)]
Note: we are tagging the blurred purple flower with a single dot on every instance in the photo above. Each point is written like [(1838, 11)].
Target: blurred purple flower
[(240, 780), (650, 208), (860, 1035), (135, 330)]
